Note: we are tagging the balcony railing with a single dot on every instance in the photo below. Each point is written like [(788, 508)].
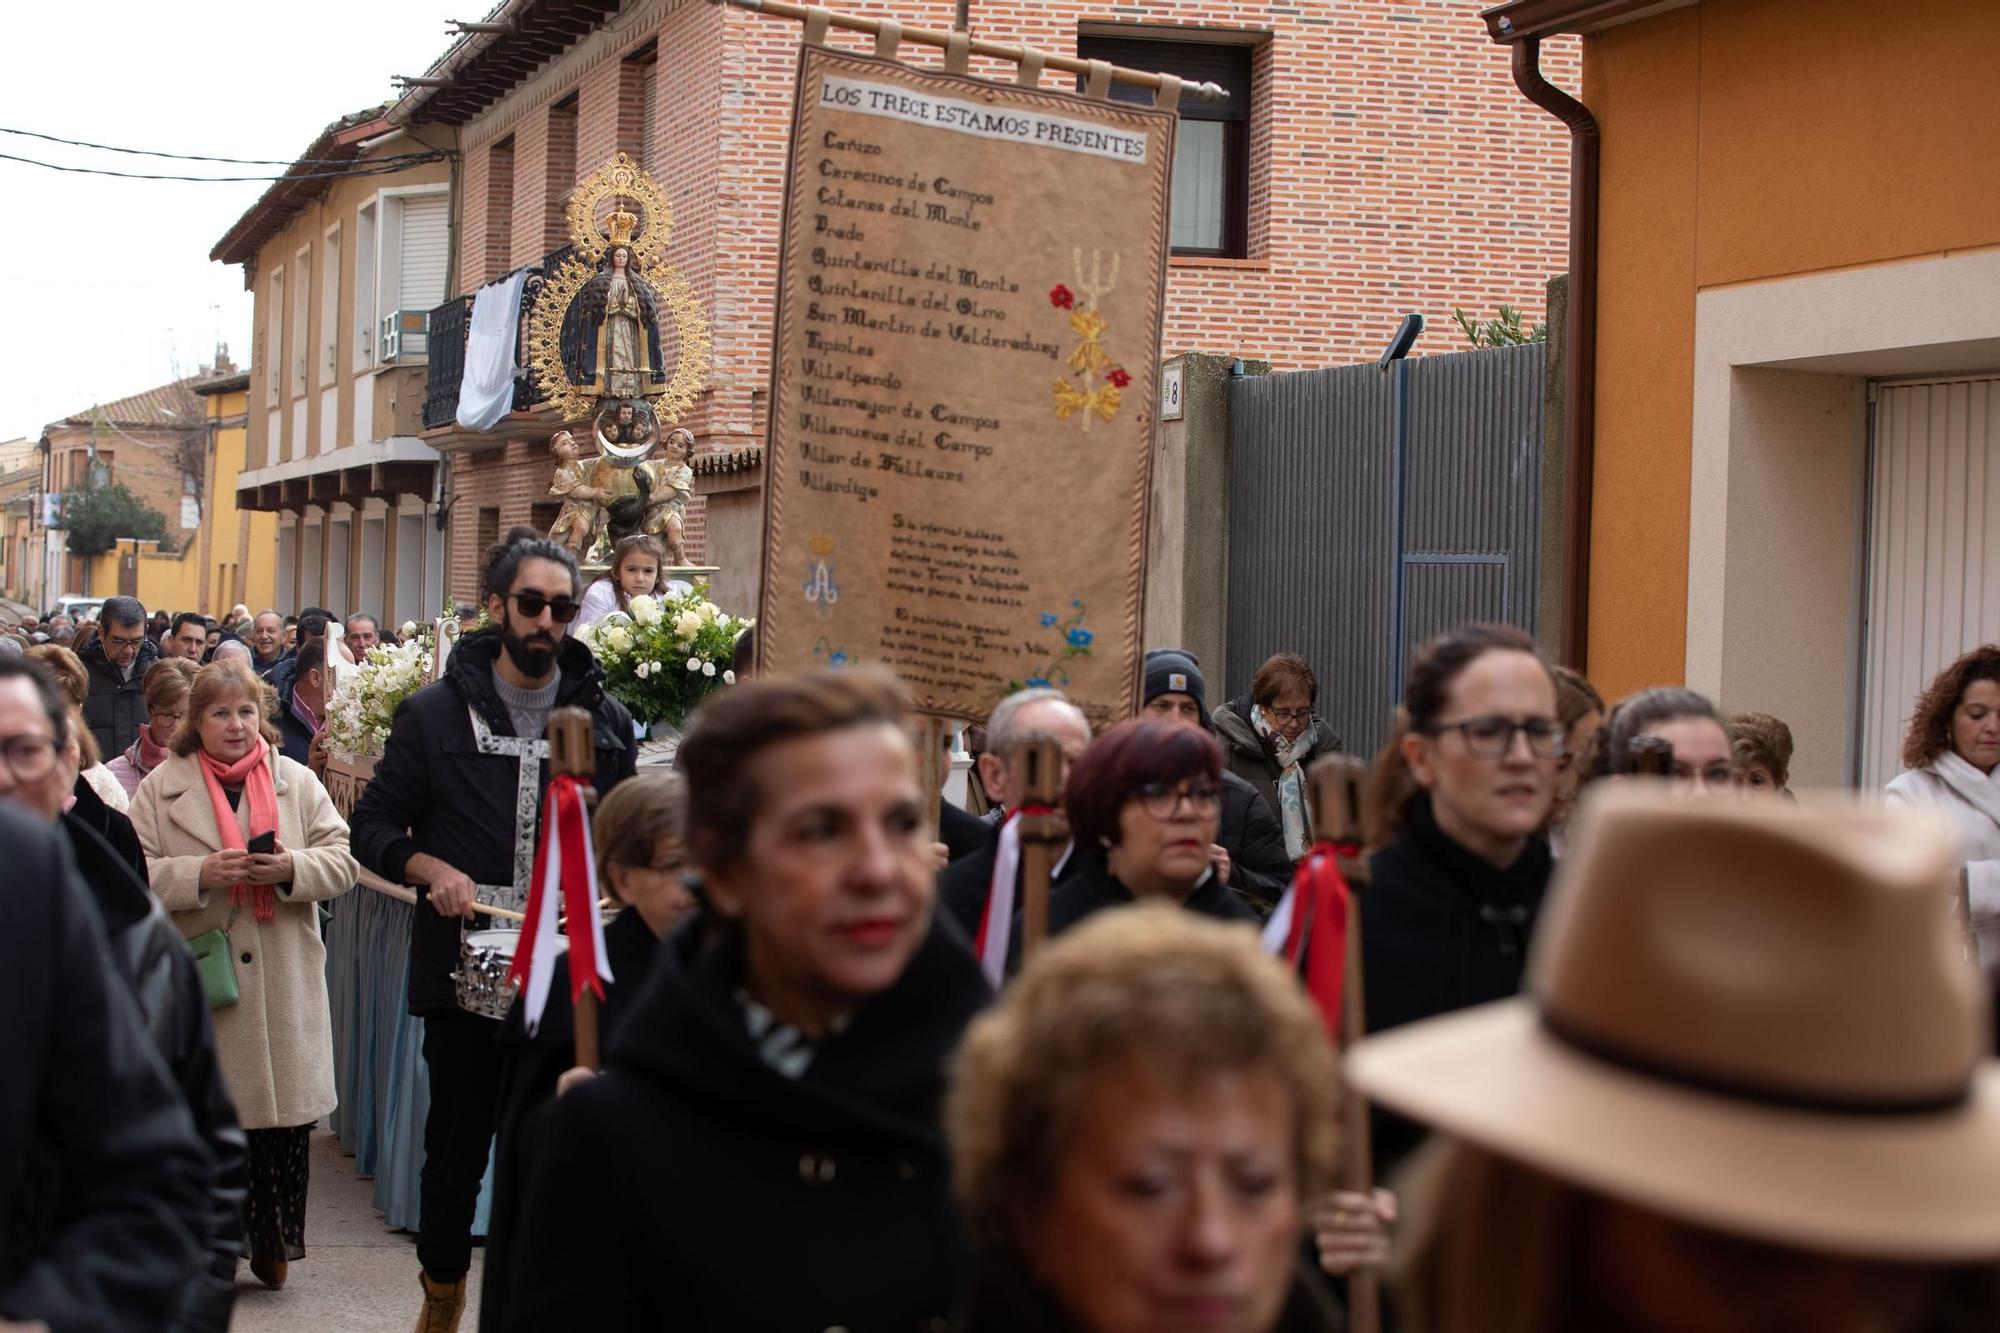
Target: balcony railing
[(450, 326)]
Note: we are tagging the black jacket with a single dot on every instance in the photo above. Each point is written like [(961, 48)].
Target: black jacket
[(135, 1176), (529, 1068), (116, 706), (295, 737), (1259, 869), (1087, 886), (961, 833), (434, 792), (1250, 757), (1006, 1299), (694, 1187), (962, 885), (155, 961), (1442, 930), (277, 672)]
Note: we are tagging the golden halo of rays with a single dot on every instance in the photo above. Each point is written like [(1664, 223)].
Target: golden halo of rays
[(621, 179)]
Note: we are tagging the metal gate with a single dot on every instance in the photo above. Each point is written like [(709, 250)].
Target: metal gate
[(1323, 559)]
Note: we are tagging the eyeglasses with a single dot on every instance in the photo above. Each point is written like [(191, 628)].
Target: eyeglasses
[(1162, 800), (29, 758), (532, 604), (1289, 714), (119, 641), (1493, 737)]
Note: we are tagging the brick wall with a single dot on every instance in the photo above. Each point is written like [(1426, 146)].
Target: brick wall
[(1394, 167)]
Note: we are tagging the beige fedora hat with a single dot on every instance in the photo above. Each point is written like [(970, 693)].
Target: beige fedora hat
[(1756, 1017)]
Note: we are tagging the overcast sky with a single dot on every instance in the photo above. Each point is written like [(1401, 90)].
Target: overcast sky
[(106, 284)]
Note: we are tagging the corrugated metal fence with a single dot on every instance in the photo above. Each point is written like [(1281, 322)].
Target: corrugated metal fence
[(1322, 563)]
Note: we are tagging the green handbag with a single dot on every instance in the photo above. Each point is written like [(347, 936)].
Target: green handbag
[(213, 964)]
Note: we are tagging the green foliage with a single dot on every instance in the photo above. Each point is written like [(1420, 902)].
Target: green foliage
[(1506, 331), (96, 517)]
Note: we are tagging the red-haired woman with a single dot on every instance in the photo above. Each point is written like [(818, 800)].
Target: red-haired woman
[(1144, 803), (1951, 752)]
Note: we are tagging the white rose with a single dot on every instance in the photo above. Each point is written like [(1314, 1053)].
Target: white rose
[(708, 668), (694, 664), (644, 609), (618, 639), (729, 678), (687, 624), (708, 612), (409, 628)]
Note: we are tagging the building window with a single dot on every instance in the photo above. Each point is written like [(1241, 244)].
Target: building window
[(486, 530), (638, 88), (1211, 189), (499, 208), (559, 173), (274, 331)]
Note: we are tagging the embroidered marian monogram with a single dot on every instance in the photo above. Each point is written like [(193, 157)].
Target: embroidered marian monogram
[(528, 754)]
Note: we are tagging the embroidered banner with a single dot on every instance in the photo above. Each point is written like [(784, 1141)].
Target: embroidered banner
[(963, 385)]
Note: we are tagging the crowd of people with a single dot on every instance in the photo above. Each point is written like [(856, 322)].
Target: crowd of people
[(1653, 1044)]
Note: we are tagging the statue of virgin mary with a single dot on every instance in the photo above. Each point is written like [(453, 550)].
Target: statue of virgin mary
[(611, 332)]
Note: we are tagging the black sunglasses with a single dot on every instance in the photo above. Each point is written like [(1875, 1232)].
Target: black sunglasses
[(532, 604)]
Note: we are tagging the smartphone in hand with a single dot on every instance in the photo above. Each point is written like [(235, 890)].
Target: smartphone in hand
[(263, 844)]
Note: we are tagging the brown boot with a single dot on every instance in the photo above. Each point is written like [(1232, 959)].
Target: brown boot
[(444, 1302), (269, 1271)]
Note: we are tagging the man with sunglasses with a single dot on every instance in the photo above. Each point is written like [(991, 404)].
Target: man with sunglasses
[(454, 809), (117, 660)]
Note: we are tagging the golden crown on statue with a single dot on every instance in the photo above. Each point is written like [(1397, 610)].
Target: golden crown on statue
[(621, 226)]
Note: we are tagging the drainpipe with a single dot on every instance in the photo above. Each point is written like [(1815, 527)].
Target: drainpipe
[(1580, 356)]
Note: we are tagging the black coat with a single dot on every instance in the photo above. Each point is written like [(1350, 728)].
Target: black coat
[(134, 1174), (295, 737), (961, 833), (694, 1187), (1251, 758), (529, 1068), (1259, 869), (962, 885), (1005, 1299), (278, 670), (1443, 929), (434, 792), (156, 963), (1087, 886), (116, 706)]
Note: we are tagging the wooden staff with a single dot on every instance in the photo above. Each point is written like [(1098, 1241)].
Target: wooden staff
[(573, 753), (932, 772), (1041, 836), (1336, 796)]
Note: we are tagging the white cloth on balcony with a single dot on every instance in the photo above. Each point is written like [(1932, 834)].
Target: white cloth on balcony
[(486, 389)]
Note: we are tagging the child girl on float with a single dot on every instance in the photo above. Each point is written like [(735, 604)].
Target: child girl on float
[(636, 565)]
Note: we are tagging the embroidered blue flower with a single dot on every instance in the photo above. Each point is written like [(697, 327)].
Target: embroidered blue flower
[(1079, 638), (1038, 682), (839, 659), (1048, 619)]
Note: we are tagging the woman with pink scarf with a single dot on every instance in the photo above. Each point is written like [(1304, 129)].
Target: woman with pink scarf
[(167, 684), (242, 840)]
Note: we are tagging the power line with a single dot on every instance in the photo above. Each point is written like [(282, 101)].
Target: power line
[(199, 157), (372, 169)]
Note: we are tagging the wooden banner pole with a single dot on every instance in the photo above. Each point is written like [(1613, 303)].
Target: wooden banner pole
[(1041, 836), (932, 773), (573, 753), (1018, 55), (1336, 793)]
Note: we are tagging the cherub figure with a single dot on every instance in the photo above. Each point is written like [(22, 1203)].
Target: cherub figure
[(672, 487), (581, 520)]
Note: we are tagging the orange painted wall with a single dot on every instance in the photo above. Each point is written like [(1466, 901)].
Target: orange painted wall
[(1746, 140)]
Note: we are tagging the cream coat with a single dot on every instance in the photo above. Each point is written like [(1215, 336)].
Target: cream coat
[(276, 1042)]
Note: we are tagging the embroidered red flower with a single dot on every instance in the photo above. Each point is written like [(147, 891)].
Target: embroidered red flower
[(1118, 376), (1062, 297)]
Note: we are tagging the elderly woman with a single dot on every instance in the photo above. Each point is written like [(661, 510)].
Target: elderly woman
[(1272, 736), (1134, 1129), (243, 840), (1950, 755), (773, 1096), (641, 834), (1144, 803), (167, 684), (1747, 1093)]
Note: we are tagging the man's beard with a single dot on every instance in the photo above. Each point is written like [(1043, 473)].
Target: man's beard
[(531, 654)]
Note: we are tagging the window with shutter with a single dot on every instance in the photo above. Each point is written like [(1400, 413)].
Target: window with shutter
[(649, 117), (274, 336), (1211, 183), (295, 351)]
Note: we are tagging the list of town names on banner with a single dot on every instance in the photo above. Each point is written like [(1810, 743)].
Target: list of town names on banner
[(962, 408)]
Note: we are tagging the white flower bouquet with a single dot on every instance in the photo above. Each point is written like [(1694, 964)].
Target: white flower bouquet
[(361, 709), (664, 653)]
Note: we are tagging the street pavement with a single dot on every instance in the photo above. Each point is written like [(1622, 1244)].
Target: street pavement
[(357, 1277)]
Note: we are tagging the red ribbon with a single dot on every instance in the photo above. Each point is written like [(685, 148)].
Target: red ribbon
[(1317, 943), (986, 912), (565, 825)]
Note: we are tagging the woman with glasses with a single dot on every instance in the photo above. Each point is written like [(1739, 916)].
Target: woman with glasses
[(242, 840), (1703, 762), (167, 683), (1144, 802), (1271, 737), (641, 834)]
